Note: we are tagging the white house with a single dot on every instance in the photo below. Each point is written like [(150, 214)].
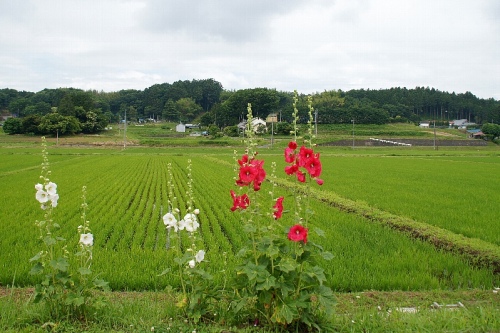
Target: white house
[(424, 125), (256, 124)]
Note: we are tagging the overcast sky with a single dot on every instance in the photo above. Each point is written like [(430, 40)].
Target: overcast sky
[(311, 46)]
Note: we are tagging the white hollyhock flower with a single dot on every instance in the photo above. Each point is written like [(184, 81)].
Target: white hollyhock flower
[(170, 221), (42, 196), (196, 211), (190, 222), (87, 239), (192, 263), (39, 187), (51, 188), (53, 199), (200, 256)]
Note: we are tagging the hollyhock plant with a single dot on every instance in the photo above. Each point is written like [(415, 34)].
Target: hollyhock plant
[(277, 281), (194, 294), (65, 290)]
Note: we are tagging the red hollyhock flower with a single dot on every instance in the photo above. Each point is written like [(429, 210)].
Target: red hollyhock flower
[(319, 181), (301, 177), (304, 155), (251, 171), (248, 174), (298, 233), (292, 145), (239, 201), (313, 166), (291, 169), (278, 208)]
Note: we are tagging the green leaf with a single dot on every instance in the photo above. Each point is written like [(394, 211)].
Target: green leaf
[(249, 228), (36, 269), (84, 271), (319, 232), (49, 241), (287, 265), (267, 283), (99, 283), (317, 272), (326, 299), (327, 255), (60, 264), (284, 314), (272, 251), (252, 271), (76, 300), (36, 257), (167, 270)]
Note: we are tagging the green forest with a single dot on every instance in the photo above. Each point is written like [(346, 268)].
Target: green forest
[(67, 111)]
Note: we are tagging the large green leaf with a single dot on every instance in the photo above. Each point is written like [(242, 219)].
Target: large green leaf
[(287, 265), (284, 313), (267, 283), (60, 264)]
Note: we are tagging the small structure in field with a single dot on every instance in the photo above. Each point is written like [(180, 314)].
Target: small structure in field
[(180, 128)]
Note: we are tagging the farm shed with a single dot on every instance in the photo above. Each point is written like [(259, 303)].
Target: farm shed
[(180, 128)]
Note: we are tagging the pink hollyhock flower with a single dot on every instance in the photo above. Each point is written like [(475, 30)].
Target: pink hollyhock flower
[(278, 208), (239, 201), (298, 233), (289, 155), (319, 181)]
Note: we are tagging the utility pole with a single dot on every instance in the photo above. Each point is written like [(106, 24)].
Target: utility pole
[(352, 133), (316, 122), (125, 131)]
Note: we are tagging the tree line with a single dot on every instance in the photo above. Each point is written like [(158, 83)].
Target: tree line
[(70, 110)]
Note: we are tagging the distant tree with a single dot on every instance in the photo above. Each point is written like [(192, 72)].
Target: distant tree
[(95, 121), (13, 126), (284, 128), (206, 119), (30, 124), (492, 131), (187, 109), (55, 123), (66, 106), (213, 131), (18, 105), (231, 131), (170, 112)]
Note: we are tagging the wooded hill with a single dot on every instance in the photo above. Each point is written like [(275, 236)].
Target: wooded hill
[(207, 102)]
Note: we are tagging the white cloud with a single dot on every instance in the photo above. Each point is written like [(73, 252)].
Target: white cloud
[(309, 46)]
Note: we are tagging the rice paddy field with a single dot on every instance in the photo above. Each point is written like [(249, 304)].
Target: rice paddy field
[(455, 190)]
